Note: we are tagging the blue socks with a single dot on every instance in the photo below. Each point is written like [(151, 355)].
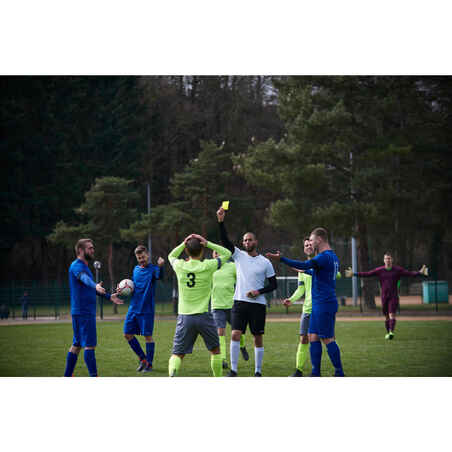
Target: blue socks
[(335, 356), (90, 360), (71, 361), (315, 349), (150, 348), (136, 347)]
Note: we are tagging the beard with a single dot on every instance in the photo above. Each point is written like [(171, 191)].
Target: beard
[(250, 248), (88, 257)]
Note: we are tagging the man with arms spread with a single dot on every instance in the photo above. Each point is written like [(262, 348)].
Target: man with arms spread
[(249, 301), (140, 316), (223, 286), (389, 277), (194, 277), (325, 268), (83, 308)]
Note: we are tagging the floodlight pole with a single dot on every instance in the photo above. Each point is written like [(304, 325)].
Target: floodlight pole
[(148, 189), (354, 253), (355, 270), (97, 266)]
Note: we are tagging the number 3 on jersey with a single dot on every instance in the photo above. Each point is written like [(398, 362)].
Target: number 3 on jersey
[(191, 279)]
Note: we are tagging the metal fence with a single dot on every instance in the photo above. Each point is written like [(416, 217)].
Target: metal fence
[(52, 300)]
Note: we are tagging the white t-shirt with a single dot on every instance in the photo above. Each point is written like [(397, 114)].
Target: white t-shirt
[(252, 273)]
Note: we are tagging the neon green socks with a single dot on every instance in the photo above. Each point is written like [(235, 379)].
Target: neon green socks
[(216, 363), (242, 341), (302, 355), (174, 365), (223, 347)]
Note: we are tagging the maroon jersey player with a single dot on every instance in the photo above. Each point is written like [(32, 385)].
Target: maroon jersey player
[(389, 275)]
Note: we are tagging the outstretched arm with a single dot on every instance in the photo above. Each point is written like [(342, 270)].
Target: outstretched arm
[(223, 234)]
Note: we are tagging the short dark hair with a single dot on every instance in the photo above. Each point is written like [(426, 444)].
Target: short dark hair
[(387, 253), (141, 249), (322, 233), (81, 244), (194, 247), (252, 233), (306, 238)]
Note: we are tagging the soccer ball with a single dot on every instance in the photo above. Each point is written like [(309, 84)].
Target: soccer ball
[(125, 288)]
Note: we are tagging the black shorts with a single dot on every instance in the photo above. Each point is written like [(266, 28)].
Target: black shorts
[(245, 313)]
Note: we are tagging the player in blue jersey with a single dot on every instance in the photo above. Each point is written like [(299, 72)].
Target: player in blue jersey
[(83, 308), (140, 316), (325, 267)]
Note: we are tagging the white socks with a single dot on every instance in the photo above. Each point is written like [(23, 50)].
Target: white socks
[(234, 354), (258, 358)]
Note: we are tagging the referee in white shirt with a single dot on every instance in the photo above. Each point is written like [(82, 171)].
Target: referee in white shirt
[(250, 305)]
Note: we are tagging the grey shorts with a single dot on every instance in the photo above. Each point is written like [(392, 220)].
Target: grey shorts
[(304, 324), (221, 317), (187, 329)]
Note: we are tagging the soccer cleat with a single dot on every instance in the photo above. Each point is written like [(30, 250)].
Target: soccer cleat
[(232, 373), (225, 364), (173, 373), (297, 373), (245, 354), (143, 364), (257, 374), (148, 368), (391, 335)]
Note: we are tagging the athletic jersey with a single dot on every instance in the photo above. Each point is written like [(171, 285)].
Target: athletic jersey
[(223, 286), (194, 278), (325, 269), (304, 287), (143, 298), (252, 271), (388, 279), (83, 298)]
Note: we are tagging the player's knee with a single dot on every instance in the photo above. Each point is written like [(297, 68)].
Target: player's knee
[(304, 339), (235, 335), (215, 351), (148, 339), (128, 337), (75, 349), (90, 348)]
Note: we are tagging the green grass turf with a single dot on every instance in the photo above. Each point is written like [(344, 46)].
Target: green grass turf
[(420, 349)]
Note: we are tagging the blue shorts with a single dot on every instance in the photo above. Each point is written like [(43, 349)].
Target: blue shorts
[(84, 327), (142, 324), (322, 323)]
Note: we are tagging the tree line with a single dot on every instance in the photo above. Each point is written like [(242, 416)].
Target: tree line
[(363, 156)]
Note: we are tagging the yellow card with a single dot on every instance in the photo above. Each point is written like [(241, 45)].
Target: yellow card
[(225, 205)]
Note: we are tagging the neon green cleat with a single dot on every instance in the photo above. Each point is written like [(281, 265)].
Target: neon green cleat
[(389, 336)]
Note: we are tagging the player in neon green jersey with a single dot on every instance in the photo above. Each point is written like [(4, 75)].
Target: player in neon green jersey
[(194, 277), (223, 288), (304, 288)]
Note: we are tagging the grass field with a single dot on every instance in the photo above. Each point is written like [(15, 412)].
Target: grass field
[(420, 349), (166, 309)]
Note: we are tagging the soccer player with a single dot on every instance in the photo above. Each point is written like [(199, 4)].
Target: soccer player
[(250, 305), (141, 312), (389, 276), (222, 299), (83, 308), (325, 268), (194, 277)]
